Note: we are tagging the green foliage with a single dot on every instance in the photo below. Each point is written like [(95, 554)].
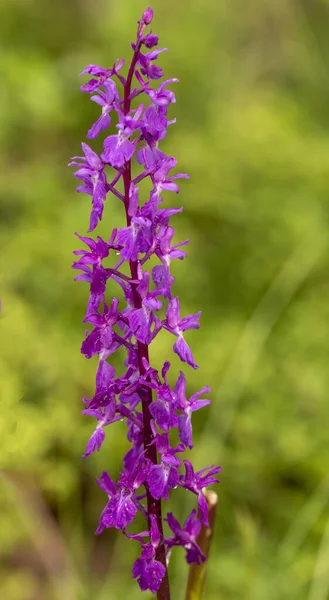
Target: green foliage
[(253, 132)]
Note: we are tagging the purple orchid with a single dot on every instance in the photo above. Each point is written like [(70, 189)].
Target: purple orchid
[(101, 339), (147, 570), (104, 417), (141, 396), (177, 326), (164, 476), (186, 536), (106, 99), (122, 506), (187, 407), (195, 482), (102, 75), (91, 172)]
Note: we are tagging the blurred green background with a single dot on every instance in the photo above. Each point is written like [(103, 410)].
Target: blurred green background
[(253, 132)]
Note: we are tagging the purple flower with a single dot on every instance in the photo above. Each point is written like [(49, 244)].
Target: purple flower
[(161, 179), (104, 417), (187, 407), (101, 74), (165, 252), (94, 181), (107, 101), (195, 482), (118, 149), (136, 238), (163, 408), (154, 125), (161, 96), (96, 71), (164, 476), (107, 387), (143, 323), (120, 510), (97, 277), (176, 325), (148, 571), (145, 61), (101, 338), (122, 506), (186, 537), (97, 251)]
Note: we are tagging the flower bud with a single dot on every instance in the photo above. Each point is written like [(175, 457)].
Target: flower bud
[(147, 16)]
